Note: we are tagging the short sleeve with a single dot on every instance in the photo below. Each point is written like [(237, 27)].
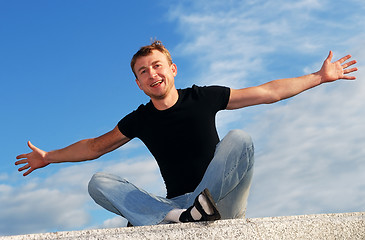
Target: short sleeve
[(217, 96), (127, 125)]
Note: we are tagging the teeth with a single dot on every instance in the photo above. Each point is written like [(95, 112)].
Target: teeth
[(155, 83)]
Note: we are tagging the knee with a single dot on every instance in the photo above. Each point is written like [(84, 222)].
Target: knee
[(240, 136), (243, 142), (94, 183), (100, 181), (96, 179)]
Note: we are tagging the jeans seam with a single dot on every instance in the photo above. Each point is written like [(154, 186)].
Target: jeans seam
[(249, 166)]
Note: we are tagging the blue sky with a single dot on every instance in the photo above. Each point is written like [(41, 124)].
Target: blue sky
[(65, 76)]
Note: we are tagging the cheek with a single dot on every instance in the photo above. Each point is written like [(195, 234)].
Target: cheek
[(139, 84), (169, 73)]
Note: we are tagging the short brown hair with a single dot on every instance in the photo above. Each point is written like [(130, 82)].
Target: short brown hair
[(147, 50)]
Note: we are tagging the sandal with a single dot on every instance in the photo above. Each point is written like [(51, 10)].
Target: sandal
[(186, 215)]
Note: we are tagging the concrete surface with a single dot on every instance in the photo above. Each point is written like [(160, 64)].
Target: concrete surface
[(320, 226)]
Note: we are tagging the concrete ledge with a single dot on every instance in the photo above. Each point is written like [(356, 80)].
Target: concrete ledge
[(320, 226)]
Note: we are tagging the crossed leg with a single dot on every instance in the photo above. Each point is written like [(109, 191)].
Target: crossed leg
[(228, 177)]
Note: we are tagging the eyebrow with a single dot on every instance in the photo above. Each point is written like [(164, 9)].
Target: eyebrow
[(144, 67)]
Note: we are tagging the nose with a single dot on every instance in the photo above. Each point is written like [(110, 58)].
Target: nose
[(152, 73)]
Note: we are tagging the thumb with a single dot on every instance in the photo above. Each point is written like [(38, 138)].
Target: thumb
[(330, 55), (31, 146)]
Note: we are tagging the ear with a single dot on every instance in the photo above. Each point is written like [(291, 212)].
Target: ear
[(138, 83), (174, 69)]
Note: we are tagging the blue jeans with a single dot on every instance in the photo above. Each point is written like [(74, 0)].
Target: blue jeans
[(228, 178)]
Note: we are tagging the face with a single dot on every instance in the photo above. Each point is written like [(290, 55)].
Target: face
[(155, 77)]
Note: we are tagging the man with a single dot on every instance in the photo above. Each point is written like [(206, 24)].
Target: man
[(206, 179)]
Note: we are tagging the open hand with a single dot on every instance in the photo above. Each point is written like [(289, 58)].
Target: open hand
[(337, 70), (32, 160)]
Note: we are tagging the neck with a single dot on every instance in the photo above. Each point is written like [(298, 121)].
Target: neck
[(167, 101)]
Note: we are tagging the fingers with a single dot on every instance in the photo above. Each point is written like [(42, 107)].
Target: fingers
[(25, 155), (347, 77), (346, 65), (27, 172), (24, 160), (345, 71), (24, 167), (21, 162), (342, 60), (21, 156)]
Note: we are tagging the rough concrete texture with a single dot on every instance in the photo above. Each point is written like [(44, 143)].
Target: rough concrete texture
[(321, 226)]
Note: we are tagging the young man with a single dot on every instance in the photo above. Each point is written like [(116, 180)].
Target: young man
[(206, 179)]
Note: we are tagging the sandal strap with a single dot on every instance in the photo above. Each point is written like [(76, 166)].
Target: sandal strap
[(186, 216), (205, 217), (200, 208)]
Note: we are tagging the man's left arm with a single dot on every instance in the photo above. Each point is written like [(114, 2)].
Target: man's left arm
[(285, 88)]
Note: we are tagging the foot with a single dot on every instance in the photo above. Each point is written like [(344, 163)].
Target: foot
[(204, 209)]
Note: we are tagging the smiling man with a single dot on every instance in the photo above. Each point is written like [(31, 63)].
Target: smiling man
[(156, 74), (206, 178)]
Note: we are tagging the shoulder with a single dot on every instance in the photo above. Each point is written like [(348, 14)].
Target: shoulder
[(212, 95), (208, 90), (129, 123), (142, 109)]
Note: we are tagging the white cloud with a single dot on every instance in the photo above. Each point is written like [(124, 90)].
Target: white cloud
[(61, 201), (238, 42), (142, 171), (29, 209), (132, 145), (310, 154), (114, 223)]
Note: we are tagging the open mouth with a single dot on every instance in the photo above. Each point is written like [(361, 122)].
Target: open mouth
[(156, 83)]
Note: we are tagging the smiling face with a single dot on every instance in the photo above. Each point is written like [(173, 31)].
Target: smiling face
[(155, 75)]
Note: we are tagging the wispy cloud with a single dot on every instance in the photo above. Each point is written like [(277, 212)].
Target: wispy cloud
[(34, 208), (239, 43), (310, 154), (114, 222), (61, 201)]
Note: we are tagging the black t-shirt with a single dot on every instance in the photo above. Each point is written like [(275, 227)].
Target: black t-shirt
[(182, 138)]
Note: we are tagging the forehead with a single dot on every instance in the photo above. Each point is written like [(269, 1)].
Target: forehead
[(150, 58)]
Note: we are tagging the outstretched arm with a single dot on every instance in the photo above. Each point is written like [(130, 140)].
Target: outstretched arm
[(83, 150), (285, 88)]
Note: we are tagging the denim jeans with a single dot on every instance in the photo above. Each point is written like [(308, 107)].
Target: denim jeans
[(228, 178)]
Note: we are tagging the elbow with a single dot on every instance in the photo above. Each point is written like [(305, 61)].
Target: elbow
[(94, 155), (269, 95), (94, 150)]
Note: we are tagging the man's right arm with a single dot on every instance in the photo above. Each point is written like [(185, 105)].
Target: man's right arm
[(83, 150)]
